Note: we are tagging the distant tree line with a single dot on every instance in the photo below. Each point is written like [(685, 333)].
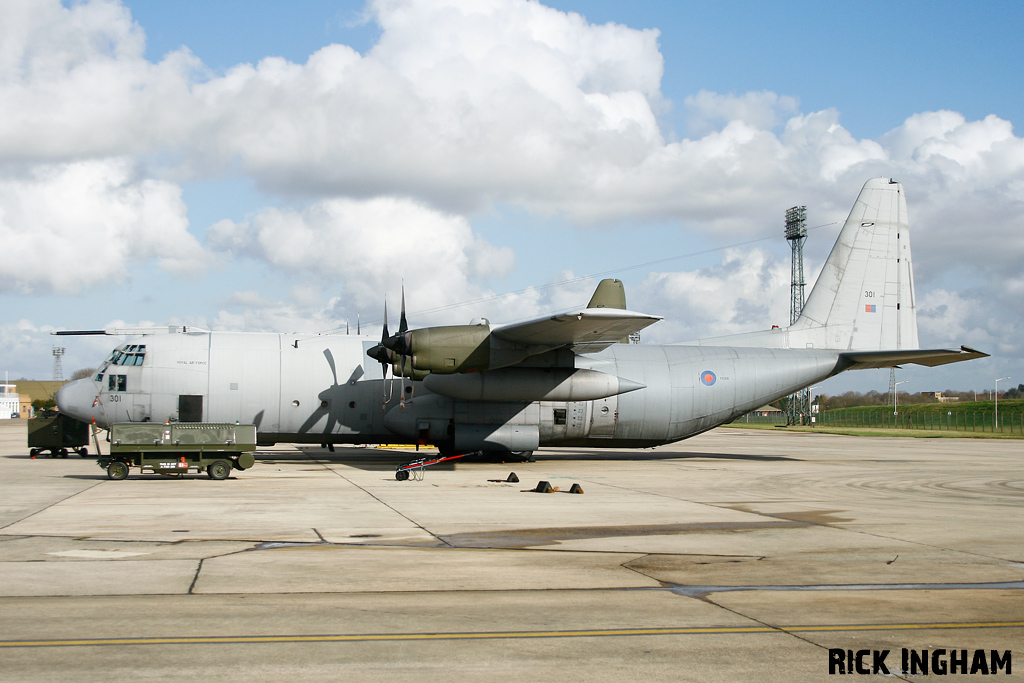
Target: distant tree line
[(876, 398)]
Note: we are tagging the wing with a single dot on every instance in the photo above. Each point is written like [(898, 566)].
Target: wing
[(860, 360), (585, 331)]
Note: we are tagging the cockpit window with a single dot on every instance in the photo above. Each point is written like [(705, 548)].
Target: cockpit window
[(117, 383), (132, 354)]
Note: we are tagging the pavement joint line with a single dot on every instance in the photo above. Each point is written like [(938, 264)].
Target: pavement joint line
[(367, 492), (507, 635), (56, 502)]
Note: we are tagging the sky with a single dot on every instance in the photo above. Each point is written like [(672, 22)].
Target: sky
[(286, 166)]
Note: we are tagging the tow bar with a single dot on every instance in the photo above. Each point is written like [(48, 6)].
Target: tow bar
[(417, 467)]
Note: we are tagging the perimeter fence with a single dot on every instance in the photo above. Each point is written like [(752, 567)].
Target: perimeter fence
[(1011, 422), (949, 421)]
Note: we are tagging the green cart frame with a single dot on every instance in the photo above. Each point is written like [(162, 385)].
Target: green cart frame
[(179, 448)]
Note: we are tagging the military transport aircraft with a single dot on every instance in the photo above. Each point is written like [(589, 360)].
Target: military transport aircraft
[(559, 380)]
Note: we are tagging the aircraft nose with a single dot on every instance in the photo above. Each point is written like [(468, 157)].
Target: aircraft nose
[(76, 399)]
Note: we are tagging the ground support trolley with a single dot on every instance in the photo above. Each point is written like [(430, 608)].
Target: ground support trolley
[(57, 433), (179, 448)]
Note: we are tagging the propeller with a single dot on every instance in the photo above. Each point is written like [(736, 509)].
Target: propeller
[(399, 342), (392, 346), (395, 348), (380, 352)]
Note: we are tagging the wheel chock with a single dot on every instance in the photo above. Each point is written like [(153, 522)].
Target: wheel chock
[(576, 489), (542, 487), (512, 478)]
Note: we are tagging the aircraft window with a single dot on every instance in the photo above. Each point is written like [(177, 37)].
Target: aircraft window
[(122, 382), (111, 382), (99, 377), (559, 416), (139, 357)]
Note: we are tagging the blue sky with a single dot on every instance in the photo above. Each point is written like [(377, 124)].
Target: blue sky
[(281, 166)]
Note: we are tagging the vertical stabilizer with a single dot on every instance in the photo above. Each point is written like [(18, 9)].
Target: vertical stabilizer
[(609, 294), (864, 298)]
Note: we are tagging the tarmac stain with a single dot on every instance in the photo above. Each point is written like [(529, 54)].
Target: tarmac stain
[(813, 517), (525, 538)]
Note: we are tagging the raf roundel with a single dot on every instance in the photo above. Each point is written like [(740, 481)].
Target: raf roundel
[(707, 378)]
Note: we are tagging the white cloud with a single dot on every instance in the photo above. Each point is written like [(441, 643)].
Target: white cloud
[(763, 110), (68, 226), (74, 83), (748, 290), (367, 249)]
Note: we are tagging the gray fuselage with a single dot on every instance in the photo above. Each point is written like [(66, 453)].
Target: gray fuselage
[(324, 389)]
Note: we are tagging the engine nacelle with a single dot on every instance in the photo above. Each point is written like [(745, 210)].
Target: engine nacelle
[(451, 349), (401, 366), (530, 384)]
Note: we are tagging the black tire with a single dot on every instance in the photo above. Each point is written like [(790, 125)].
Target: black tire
[(33, 453), (402, 475), (117, 470), (218, 469), (524, 456), (63, 452), (83, 452)]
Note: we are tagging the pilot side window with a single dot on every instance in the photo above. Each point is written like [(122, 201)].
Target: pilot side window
[(117, 382)]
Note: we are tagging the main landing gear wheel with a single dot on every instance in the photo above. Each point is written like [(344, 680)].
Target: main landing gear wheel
[(218, 469), (117, 470)]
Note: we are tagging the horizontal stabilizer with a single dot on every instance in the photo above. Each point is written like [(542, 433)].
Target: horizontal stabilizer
[(586, 331), (862, 360)]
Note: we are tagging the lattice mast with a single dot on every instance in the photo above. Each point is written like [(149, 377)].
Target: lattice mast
[(796, 233), (58, 371)]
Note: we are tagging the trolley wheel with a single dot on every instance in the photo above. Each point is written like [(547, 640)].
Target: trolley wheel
[(218, 469), (402, 475), (83, 452), (117, 470), (63, 452)]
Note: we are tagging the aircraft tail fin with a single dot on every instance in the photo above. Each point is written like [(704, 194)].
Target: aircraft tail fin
[(864, 297), (609, 294)]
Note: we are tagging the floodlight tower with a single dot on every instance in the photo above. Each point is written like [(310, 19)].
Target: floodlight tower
[(58, 371), (796, 234)]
